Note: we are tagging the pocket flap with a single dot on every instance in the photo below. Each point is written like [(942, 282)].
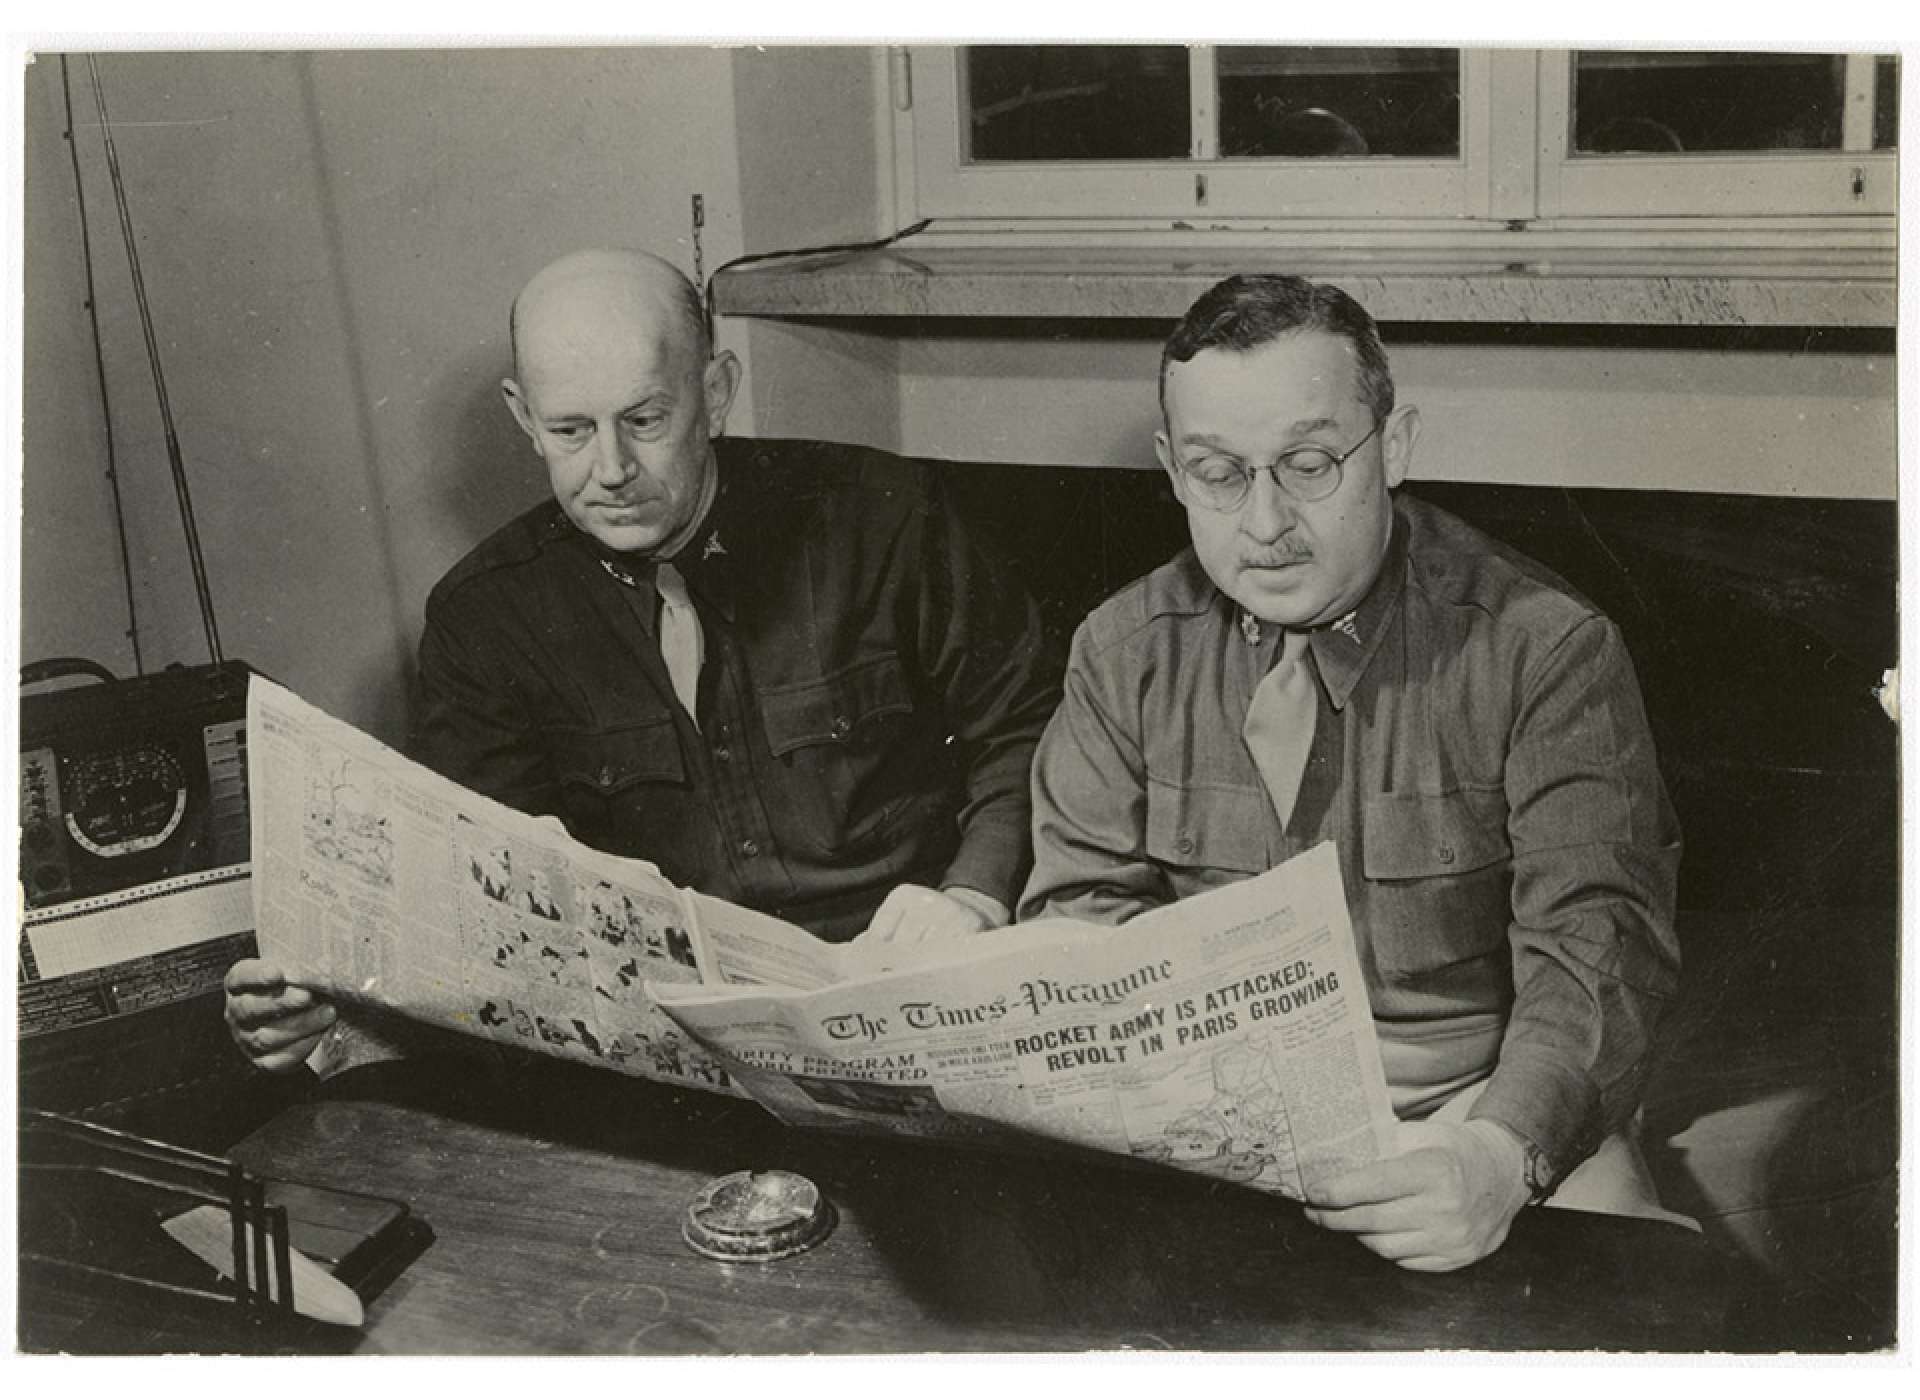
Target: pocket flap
[(1208, 827), (1419, 836), (609, 760), (833, 710)]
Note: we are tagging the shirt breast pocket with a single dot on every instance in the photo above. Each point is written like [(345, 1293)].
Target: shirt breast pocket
[(1206, 836), (843, 746), (602, 772), (1439, 873)]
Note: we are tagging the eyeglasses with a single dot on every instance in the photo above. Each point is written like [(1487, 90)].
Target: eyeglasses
[(1304, 473)]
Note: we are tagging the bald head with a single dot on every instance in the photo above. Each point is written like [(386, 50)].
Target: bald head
[(646, 294), (617, 387)]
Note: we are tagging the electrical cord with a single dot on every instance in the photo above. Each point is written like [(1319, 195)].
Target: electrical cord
[(870, 246)]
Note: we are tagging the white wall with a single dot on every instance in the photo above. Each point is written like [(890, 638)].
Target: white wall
[(330, 242), (1753, 421), (809, 169)]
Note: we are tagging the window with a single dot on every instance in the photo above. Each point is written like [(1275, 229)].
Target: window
[(1668, 103), (1264, 133), (1067, 102), (1159, 131), (1334, 103), (1751, 135)]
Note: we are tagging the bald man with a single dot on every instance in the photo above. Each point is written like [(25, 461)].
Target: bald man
[(782, 671)]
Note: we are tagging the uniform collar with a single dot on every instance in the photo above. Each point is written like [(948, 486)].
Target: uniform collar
[(703, 559), (706, 559), (1343, 649)]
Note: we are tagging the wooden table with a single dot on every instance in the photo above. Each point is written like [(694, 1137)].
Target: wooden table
[(556, 1196)]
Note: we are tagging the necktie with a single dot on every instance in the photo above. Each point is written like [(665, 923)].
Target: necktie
[(1279, 727), (682, 645)]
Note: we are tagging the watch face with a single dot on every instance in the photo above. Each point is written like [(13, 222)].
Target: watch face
[(1538, 1173)]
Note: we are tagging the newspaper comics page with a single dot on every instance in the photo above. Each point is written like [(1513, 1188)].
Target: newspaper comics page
[(377, 881), (1229, 1034)]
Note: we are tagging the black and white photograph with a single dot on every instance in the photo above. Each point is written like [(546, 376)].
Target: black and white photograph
[(1257, 681)]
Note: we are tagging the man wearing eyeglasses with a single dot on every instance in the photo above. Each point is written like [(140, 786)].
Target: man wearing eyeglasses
[(1330, 661)]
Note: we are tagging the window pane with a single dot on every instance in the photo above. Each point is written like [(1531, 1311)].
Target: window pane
[(1339, 102), (1667, 102), (1077, 102), (1886, 103)]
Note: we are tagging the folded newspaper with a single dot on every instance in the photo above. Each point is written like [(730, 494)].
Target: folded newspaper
[(1227, 1034)]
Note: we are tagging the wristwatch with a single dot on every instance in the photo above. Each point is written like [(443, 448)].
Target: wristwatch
[(1537, 1171)]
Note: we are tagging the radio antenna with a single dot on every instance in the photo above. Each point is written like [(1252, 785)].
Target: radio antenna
[(100, 370), (174, 460)]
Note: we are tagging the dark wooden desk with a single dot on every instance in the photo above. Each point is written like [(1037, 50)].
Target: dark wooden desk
[(556, 1197)]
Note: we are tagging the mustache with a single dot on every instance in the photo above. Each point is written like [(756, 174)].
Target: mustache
[(1273, 558)]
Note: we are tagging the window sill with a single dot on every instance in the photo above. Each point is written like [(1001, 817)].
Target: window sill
[(1677, 275)]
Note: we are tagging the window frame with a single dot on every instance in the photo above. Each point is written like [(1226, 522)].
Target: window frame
[(1516, 170), (1732, 185), (1203, 188)]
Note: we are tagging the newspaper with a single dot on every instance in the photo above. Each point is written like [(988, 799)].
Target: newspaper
[(1228, 1034), (379, 883)]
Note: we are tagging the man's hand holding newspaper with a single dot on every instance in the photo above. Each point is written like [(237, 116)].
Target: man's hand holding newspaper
[(1228, 1034)]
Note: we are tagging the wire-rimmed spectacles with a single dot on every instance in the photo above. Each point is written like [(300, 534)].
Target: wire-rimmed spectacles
[(1307, 473)]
